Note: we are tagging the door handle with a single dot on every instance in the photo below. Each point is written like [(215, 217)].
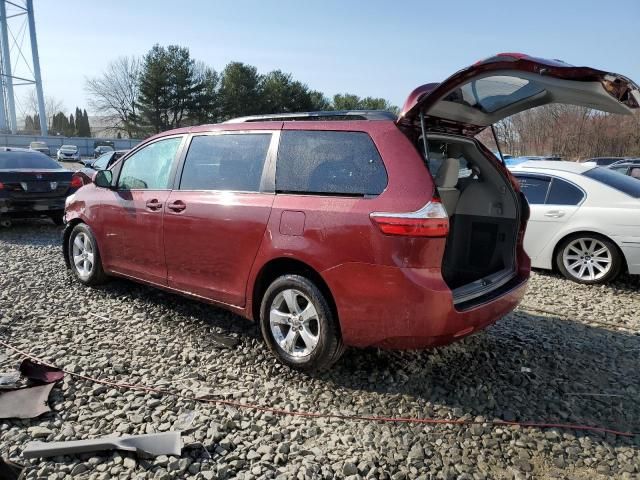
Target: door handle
[(154, 204), (177, 206), (554, 214)]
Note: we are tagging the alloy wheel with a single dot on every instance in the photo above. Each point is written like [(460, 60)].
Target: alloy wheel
[(83, 255), (587, 259), (294, 323)]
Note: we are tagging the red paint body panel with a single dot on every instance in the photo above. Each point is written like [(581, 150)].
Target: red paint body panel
[(211, 244), (406, 308), (131, 235)]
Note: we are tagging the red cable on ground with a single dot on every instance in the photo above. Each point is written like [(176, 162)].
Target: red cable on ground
[(337, 416)]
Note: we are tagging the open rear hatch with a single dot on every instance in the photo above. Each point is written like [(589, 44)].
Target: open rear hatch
[(484, 209), (508, 83)]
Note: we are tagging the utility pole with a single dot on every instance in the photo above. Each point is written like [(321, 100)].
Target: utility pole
[(8, 78)]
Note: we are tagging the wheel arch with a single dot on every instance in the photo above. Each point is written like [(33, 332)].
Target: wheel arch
[(277, 267), (578, 233)]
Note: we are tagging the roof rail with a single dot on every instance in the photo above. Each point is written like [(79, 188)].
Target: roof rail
[(320, 116)]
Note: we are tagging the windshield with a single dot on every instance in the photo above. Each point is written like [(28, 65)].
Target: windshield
[(18, 160), (38, 145), (622, 183), (68, 147)]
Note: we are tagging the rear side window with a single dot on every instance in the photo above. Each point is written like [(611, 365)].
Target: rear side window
[(563, 193), (534, 188), (622, 183), (329, 163), (225, 162)]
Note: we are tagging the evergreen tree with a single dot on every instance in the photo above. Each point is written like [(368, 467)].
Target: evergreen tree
[(154, 89), (78, 125), (86, 127), (240, 90), (281, 94), (204, 106), (28, 124)]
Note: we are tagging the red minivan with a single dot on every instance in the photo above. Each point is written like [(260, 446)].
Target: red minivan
[(336, 229)]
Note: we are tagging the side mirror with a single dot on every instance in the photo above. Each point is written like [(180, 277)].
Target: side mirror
[(103, 178)]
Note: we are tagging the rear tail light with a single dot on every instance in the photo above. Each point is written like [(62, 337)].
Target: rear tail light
[(430, 221), (76, 182), (1, 186)]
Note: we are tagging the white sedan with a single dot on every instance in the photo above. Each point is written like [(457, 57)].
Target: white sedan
[(585, 220), (68, 153)]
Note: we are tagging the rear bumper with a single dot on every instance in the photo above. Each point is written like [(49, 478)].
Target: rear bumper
[(410, 308), (31, 208)]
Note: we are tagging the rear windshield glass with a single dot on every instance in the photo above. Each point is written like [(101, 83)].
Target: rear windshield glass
[(15, 160), (493, 93), (622, 183), (329, 163)]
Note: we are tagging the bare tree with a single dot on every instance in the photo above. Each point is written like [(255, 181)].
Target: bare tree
[(569, 131), (51, 105), (115, 92)]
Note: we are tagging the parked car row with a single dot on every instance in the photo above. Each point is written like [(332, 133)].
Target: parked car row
[(71, 153)]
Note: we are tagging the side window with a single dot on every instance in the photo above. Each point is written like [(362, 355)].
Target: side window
[(563, 193), (149, 167), (102, 162), (534, 188), (622, 170), (331, 163), (225, 162)]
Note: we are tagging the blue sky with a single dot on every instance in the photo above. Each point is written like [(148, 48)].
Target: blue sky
[(377, 48)]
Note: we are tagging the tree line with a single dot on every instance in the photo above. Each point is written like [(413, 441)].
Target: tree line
[(569, 131), (60, 124), (167, 88)]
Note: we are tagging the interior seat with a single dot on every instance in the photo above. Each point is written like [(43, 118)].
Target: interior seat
[(446, 181)]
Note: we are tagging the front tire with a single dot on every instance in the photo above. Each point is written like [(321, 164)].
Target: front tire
[(84, 256), (589, 259), (298, 325)]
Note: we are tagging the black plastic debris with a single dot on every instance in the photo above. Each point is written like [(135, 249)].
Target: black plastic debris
[(40, 373), (10, 470)]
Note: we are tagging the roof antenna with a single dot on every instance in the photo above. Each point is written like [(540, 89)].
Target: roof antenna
[(425, 142), (495, 139)]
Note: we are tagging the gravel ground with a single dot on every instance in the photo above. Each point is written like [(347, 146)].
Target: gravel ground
[(570, 355)]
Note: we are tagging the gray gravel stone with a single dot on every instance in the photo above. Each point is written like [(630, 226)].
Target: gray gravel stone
[(530, 366)]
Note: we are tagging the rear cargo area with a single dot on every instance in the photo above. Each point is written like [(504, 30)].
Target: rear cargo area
[(483, 217)]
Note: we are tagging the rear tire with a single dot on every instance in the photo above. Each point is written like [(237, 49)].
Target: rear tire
[(84, 256), (589, 258), (298, 325)]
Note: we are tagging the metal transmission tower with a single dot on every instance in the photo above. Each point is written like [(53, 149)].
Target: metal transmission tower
[(11, 75)]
